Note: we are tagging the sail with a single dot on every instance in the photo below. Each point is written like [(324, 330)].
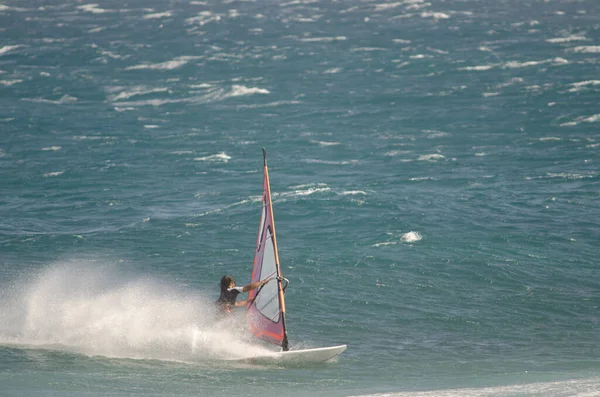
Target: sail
[(266, 307)]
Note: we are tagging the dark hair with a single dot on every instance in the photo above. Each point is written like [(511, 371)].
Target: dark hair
[(226, 282)]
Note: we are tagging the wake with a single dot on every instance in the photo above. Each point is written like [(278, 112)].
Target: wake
[(100, 310)]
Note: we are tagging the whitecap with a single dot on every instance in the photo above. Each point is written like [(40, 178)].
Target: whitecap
[(8, 83), (516, 64), (560, 61), (138, 91), (479, 68), (303, 186), (435, 15), (325, 143), (442, 52), (592, 119), (158, 15), (240, 90), (323, 39), (588, 49), (8, 8), (168, 65), (201, 85), (219, 157), (8, 48), (581, 85), (51, 148), (514, 80), (50, 174), (203, 18), (432, 134), (566, 39), (549, 138), (431, 157), (305, 190), (416, 7), (354, 193), (385, 243), (331, 162), (589, 119), (67, 99), (64, 99), (411, 237), (92, 8), (569, 124)]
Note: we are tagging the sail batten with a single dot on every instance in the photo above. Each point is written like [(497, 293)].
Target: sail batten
[(266, 307)]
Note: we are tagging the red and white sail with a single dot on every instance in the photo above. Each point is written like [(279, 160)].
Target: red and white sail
[(266, 307)]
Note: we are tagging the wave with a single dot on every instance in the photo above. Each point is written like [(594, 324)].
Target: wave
[(409, 237), (332, 162), (158, 15), (138, 91), (431, 157), (304, 190), (219, 157), (582, 119), (92, 8), (8, 48), (240, 90), (168, 65), (322, 39), (587, 49), (325, 143), (516, 64), (63, 100), (566, 39), (581, 85), (50, 174), (211, 96), (8, 83)]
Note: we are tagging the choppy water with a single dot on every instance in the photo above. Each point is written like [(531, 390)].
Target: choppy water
[(434, 167)]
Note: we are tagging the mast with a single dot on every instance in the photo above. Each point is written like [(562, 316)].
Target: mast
[(284, 343)]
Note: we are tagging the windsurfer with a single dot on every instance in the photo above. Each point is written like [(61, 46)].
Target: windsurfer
[(229, 293)]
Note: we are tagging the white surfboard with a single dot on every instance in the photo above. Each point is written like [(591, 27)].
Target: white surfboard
[(296, 357)]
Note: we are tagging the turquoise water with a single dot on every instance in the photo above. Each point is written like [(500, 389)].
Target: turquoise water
[(435, 178)]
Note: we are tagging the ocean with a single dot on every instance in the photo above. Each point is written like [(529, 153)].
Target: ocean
[(435, 176)]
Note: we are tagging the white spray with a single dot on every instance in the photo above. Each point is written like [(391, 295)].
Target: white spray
[(99, 310)]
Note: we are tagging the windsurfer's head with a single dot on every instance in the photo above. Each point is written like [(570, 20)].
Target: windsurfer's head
[(227, 282)]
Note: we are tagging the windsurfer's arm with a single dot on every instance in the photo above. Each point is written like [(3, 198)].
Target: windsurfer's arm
[(255, 285), (241, 303)]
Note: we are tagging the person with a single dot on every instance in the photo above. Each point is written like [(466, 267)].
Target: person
[(229, 293)]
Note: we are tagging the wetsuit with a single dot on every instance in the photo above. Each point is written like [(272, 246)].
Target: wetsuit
[(227, 299)]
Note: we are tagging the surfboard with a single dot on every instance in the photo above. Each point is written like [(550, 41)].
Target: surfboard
[(296, 357), (265, 310)]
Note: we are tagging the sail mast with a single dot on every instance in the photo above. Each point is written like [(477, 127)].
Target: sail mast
[(279, 280)]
